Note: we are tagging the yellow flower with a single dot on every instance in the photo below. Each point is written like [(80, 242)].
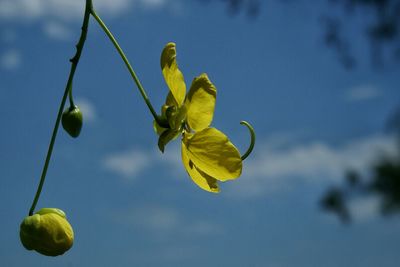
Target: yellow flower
[(207, 154), (47, 231)]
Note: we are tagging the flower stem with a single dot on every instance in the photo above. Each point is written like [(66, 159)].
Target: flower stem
[(71, 98), (130, 69), (74, 63), (252, 139)]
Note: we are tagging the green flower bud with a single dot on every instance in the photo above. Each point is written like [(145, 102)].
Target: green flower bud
[(47, 231), (72, 121)]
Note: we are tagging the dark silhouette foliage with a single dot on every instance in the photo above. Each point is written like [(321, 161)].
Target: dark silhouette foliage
[(383, 181), (380, 26)]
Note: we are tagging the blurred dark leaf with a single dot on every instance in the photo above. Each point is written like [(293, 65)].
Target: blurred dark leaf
[(386, 182), (333, 201), (353, 178)]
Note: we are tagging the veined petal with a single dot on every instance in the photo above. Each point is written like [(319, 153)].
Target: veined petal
[(211, 152), (200, 178), (200, 103), (172, 75)]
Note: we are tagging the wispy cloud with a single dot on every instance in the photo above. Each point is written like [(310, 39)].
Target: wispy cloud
[(365, 208), (34, 9), (57, 31), (10, 60), (275, 169), (87, 108), (157, 219), (361, 93), (153, 4), (69, 10), (57, 16), (275, 164), (154, 218), (128, 163)]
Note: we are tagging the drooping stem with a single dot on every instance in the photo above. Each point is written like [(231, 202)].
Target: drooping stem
[(71, 98), (252, 139), (130, 69), (74, 63)]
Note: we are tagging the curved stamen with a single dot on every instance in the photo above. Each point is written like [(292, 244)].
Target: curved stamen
[(252, 139)]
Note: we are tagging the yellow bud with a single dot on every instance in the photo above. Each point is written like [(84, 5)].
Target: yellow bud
[(47, 231)]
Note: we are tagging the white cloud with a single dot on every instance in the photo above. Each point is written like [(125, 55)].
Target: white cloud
[(275, 166), (153, 3), (71, 9), (57, 31), (171, 156), (275, 169), (33, 9), (157, 219), (131, 163), (11, 9), (128, 164), (362, 93), (57, 16), (365, 208), (87, 108), (10, 60), (317, 158)]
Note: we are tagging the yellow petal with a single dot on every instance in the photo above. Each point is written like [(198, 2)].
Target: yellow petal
[(172, 75), (170, 100), (200, 178), (211, 152), (200, 103)]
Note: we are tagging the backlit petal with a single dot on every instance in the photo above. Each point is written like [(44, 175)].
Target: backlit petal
[(172, 75), (200, 103), (200, 178), (211, 152), (170, 100)]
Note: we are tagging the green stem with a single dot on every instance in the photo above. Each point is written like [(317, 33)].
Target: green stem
[(74, 63), (71, 98), (252, 139), (130, 69)]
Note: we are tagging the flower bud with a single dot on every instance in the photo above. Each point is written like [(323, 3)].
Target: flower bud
[(72, 121), (47, 231)]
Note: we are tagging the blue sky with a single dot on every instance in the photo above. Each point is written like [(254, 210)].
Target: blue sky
[(129, 204)]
